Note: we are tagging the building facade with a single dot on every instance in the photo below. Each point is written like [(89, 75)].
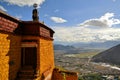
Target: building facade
[(26, 49)]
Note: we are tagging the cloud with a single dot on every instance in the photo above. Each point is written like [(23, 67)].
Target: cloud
[(85, 34), (56, 10), (113, 0), (18, 16), (46, 15), (24, 2), (2, 8), (88, 32), (107, 20), (94, 22), (58, 20)]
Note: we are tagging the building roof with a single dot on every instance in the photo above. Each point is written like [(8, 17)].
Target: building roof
[(37, 23), (7, 16), (19, 22)]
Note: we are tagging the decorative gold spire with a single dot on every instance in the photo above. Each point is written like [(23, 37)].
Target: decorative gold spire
[(35, 16)]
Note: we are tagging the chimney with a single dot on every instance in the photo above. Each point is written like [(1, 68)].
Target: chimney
[(35, 13)]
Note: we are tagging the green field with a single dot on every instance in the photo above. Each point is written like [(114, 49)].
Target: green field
[(86, 55)]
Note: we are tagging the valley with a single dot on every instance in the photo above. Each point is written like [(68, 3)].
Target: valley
[(82, 64)]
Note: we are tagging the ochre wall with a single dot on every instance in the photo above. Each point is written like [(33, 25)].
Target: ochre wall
[(9, 56), (46, 58)]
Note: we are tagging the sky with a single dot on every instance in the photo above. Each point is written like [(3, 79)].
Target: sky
[(74, 21)]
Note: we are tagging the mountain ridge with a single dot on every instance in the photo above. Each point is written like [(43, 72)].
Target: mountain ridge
[(111, 56)]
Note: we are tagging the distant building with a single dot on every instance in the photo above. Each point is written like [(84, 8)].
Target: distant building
[(26, 49)]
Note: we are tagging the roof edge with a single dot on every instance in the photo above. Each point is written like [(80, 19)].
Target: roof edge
[(4, 14), (37, 22)]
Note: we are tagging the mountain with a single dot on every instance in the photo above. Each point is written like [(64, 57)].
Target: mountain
[(104, 45), (66, 49), (63, 47), (111, 56), (70, 49)]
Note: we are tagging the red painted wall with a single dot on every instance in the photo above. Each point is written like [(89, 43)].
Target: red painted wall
[(64, 75)]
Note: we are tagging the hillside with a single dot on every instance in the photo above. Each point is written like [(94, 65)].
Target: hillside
[(63, 47), (70, 49), (103, 45), (111, 56)]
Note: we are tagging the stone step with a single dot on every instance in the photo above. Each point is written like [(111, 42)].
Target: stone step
[(24, 79), (27, 67), (28, 79), (27, 73)]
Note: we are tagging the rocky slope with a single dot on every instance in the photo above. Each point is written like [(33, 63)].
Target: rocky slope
[(111, 56)]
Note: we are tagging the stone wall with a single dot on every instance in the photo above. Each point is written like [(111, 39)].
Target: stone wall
[(9, 56), (46, 58), (64, 75)]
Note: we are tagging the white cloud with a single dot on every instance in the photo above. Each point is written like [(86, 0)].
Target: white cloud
[(46, 15), (2, 8), (58, 20), (56, 10), (18, 16), (90, 33), (24, 2), (106, 20), (113, 0), (85, 34)]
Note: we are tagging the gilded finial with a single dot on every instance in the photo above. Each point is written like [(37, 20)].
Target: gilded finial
[(35, 5)]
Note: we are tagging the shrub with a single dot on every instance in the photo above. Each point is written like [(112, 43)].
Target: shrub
[(92, 77)]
